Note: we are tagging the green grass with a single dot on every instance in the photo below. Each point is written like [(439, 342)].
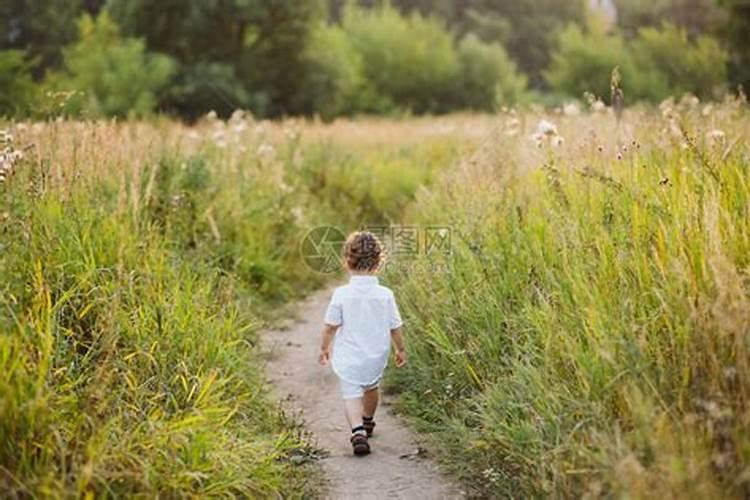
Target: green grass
[(138, 267), (591, 336)]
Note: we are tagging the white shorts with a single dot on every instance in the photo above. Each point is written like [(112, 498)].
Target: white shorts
[(354, 391)]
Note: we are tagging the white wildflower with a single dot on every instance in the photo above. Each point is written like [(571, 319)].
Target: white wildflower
[(598, 106), (715, 136), (266, 152), (546, 127), (571, 109)]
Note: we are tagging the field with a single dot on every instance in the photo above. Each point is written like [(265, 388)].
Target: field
[(586, 336)]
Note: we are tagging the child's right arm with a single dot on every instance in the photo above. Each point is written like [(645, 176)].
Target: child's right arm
[(398, 340), (325, 343)]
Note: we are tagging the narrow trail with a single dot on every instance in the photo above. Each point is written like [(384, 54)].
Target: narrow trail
[(394, 469)]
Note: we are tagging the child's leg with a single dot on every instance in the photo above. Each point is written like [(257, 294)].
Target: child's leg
[(353, 408), (370, 401)]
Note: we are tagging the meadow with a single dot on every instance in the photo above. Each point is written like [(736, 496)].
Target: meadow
[(139, 261), (587, 336)]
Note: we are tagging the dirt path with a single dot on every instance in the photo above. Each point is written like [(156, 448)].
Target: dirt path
[(394, 469)]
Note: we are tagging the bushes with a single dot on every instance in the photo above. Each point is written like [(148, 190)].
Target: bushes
[(487, 77), (409, 61), (381, 61), (698, 66), (589, 336), (114, 76), (336, 82), (656, 64), (17, 89)]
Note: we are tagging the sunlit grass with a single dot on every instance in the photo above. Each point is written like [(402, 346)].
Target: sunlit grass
[(591, 337), (139, 261)]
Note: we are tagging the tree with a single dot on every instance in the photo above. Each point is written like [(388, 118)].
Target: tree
[(410, 61), (697, 66), (114, 76), (488, 78), (696, 17), (17, 89), (736, 34), (528, 29), (257, 44), (42, 28)]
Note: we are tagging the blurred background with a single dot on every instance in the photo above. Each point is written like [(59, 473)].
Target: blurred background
[(331, 58)]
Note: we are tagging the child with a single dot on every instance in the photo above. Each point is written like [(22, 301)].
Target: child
[(366, 318)]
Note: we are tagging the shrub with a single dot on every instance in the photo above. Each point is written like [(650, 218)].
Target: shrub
[(584, 61), (335, 78), (115, 75), (488, 77), (410, 61), (16, 85), (697, 66)]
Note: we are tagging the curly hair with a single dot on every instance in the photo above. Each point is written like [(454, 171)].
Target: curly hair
[(363, 252)]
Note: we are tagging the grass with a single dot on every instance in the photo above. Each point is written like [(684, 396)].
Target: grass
[(591, 336), (139, 260)]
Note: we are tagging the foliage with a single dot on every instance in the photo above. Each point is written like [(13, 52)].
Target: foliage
[(587, 336), (697, 66), (658, 63), (335, 83), (17, 89), (583, 62), (138, 261), (487, 77), (409, 61), (114, 76)]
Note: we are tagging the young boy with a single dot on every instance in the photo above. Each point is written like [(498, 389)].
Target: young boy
[(361, 321)]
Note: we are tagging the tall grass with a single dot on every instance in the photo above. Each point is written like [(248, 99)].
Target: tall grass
[(138, 262), (591, 338)]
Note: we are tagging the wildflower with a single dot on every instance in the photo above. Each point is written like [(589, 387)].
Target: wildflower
[(266, 152), (211, 116), (619, 156), (546, 128), (707, 109), (571, 109), (558, 141), (512, 126), (715, 136), (598, 106)]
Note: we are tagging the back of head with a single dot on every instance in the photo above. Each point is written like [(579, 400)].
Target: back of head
[(363, 252)]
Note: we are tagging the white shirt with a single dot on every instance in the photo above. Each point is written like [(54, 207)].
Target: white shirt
[(365, 312)]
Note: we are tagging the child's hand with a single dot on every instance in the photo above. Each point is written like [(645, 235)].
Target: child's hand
[(400, 358), (324, 356)]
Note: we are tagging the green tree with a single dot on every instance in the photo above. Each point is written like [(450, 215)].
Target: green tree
[(736, 34), (335, 82), (697, 66), (258, 44), (41, 28), (488, 78), (410, 61), (17, 88), (694, 16), (583, 62), (528, 29), (115, 76)]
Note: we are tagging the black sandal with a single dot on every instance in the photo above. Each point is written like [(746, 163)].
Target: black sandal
[(360, 444), (369, 425)]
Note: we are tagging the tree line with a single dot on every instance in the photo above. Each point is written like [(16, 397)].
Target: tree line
[(340, 57)]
